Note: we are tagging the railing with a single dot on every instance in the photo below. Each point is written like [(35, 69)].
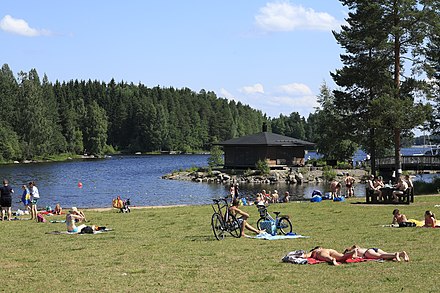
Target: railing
[(411, 162)]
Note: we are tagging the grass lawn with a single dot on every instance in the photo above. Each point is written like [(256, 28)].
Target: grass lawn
[(174, 250)]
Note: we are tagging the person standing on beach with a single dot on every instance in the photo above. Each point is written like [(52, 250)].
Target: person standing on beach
[(335, 189), (35, 196), (26, 198), (349, 184), (6, 199)]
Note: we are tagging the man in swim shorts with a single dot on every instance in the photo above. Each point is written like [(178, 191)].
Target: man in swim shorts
[(349, 184)]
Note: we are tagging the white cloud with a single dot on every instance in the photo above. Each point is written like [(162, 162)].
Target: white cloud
[(304, 105), (283, 16), (20, 27), (253, 89), (300, 102), (295, 89), (224, 93)]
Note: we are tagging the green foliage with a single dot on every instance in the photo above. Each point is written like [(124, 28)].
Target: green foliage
[(343, 165), (9, 144), (333, 140), (248, 172), (328, 173), (263, 167), (376, 91), (216, 157), (87, 116), (433, 187)]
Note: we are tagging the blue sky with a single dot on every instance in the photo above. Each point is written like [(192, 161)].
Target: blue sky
[(271, 55)]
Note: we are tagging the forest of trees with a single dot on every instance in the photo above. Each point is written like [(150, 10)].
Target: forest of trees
[(388, 85), (41, 119)]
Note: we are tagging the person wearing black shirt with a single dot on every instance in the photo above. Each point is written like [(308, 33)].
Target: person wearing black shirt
[(6, 199)]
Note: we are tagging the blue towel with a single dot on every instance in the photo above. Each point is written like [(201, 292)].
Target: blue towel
[(267, 236)]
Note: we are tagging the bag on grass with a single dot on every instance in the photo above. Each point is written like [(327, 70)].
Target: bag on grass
[(86, 230), (269, 227), (40, 218)]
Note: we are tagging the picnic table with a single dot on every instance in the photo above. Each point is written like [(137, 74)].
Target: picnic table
[(387, 193)]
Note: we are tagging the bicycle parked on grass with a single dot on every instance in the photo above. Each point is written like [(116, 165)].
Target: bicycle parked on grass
[(282, 223), (222, 221)]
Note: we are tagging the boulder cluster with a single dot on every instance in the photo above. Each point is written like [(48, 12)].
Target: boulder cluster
[(229, 176)]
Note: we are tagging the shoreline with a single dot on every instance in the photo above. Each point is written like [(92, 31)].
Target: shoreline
[(133, 208), (189, 205)]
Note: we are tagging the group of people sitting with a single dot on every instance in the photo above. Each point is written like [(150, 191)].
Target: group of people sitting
[(430, 221), (334, 257), (264, 197), (375, 185), (271, 197)]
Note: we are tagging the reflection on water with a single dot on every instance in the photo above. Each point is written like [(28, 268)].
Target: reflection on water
[(135, 177)]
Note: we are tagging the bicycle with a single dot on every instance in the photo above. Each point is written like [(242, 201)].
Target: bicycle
[(282, 223), (223, 221)]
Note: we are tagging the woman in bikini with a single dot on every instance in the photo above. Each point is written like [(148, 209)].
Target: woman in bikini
[(330, 255), (71, 218), (377, 253), (430, 220)]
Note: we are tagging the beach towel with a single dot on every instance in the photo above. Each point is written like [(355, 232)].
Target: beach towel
[(267, 236), (77, 233), (418, 224), (297, 257)]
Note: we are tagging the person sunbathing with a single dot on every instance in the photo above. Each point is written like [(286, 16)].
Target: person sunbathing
[(330, 255), (430, 220), (377, 253), (398, 217)]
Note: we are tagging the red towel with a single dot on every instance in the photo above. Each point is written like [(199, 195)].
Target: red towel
[(313, 261)]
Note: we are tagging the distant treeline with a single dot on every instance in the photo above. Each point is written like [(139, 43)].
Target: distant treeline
[(41, 119)]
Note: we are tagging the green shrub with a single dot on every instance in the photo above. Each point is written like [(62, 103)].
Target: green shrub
[(421, 187), (328, 173), (262, 167), (216, 157), (343, 165)]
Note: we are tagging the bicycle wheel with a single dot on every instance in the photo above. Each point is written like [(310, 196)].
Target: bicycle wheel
[(259, 222), (234, 226), (218, 226), (284, 225)]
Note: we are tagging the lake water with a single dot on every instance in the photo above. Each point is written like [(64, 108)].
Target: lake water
[(134, 177)]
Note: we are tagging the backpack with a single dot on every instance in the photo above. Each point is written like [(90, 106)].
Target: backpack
[(40, 218), (86, 230)]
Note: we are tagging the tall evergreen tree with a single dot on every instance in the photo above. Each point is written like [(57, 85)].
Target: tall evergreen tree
[(96, 129), (373, 99)]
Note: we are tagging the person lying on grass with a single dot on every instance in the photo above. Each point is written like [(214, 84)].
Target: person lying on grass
[(233, 209), (430, 220), (398, 217), (377, 253), (330, 255)]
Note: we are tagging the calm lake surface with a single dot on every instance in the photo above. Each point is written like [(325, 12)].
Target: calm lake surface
[(134, 177)]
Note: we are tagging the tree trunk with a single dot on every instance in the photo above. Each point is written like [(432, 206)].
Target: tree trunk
[(397, 162)]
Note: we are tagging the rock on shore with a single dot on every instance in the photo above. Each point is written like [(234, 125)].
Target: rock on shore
[(298, 176)]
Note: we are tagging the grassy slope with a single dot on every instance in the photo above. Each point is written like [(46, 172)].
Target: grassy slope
[(173, 250)]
